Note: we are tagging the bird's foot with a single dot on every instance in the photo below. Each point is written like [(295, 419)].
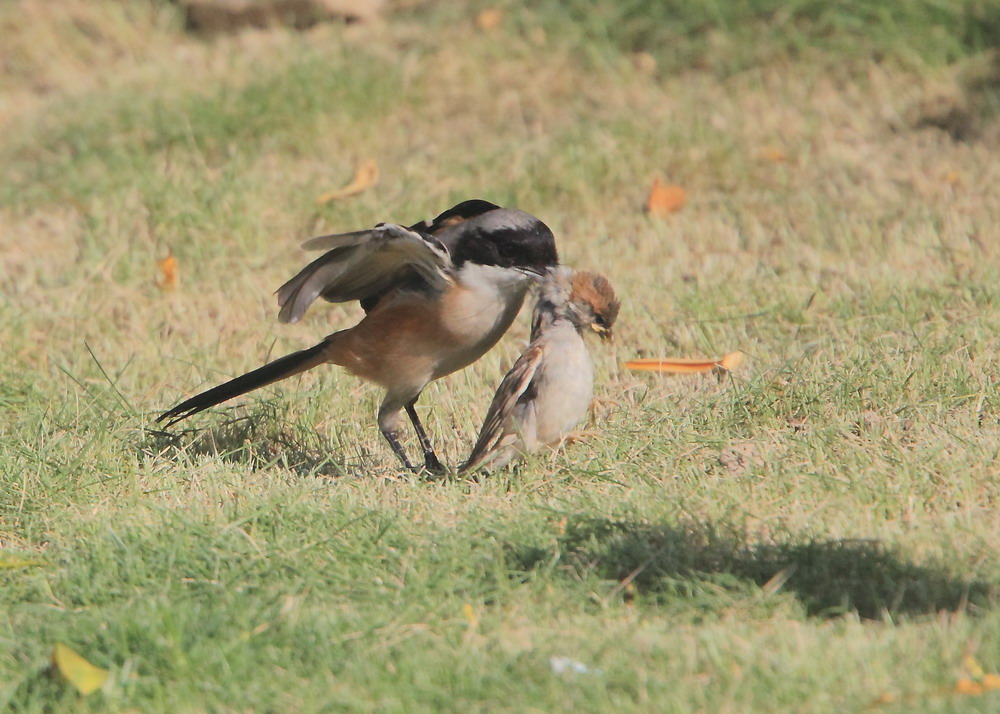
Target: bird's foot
[(433, 466)]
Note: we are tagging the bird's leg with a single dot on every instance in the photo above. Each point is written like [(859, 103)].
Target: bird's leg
[(388, 424), (431, 462), (393, 440)]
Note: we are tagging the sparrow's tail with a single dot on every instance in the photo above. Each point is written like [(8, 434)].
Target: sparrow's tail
[(279, 369)]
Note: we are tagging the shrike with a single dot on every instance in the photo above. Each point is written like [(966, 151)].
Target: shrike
[(548, 390), (438, 295)]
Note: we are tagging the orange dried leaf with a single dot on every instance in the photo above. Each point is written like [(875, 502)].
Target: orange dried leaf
[(953, 177), (772, 153), (968, 687), (365, 176), (166, 278), (665, 199), (489, 18), (687, 366), (731, 360), (991, 682)]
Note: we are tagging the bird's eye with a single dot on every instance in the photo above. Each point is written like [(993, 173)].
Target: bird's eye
[(599, 319)]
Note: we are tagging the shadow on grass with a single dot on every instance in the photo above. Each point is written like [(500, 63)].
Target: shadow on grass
[(829, 578), (258, 440)]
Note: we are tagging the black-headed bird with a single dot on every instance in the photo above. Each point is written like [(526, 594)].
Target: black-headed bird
[(437, 296)]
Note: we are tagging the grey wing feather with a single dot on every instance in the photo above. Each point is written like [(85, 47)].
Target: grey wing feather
[(515, 386), (362, 264)]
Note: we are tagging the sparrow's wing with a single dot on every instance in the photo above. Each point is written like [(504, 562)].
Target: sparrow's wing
[(517, 386), (363, 264)]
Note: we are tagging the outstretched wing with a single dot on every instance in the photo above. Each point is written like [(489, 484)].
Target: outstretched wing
[(517, 386), (362, 264)]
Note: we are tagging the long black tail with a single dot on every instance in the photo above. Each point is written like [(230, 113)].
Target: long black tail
[(279, 369)]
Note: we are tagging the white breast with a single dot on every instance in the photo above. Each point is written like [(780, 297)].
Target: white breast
[(478, 311), (565, 386)]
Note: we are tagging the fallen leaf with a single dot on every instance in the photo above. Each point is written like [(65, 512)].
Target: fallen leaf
[(538, 36), (365, 176), (953, 177), (968, 687), (772, 153), (687, 366), (11, 563), (166, 278), (77, 671), (665, 199), (489, 18), (470, 614), (644, 63), (972, 666)]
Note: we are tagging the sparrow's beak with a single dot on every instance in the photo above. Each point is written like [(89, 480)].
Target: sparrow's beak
[(603, 332)]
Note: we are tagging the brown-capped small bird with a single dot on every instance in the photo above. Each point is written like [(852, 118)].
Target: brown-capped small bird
[(437, 295), (548, 390)]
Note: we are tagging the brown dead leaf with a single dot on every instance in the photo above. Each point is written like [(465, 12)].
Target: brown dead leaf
[(665, 199), (489, 19), (687, 366), (166, 277), (644, 62), (772, 153), (365, 176)]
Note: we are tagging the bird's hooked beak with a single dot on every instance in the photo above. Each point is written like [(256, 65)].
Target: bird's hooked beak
[(603, 332), (535, 274)]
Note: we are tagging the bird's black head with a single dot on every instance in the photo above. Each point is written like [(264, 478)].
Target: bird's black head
[(507, 238)]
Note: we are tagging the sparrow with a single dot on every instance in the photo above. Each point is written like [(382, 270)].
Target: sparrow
[(548, 390), (437, 296)]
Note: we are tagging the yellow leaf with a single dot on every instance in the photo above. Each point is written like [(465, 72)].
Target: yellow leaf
[(11, 563), (665, 199), (972, 666), (79, 672), (365, 176), (166, 278), (470, 614), (489, 18), (687, 366)]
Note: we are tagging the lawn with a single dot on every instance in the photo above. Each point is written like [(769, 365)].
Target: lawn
[(814, 532)]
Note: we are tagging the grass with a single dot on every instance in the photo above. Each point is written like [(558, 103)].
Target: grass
[(816, 532)]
